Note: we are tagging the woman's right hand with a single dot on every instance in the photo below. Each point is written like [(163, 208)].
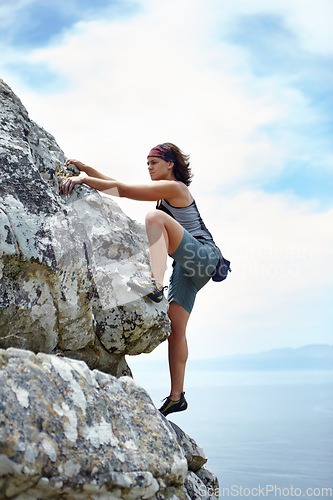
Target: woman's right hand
[(77, 163)]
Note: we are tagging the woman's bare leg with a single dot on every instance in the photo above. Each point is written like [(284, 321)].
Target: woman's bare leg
[(178, 351), (164, 235)]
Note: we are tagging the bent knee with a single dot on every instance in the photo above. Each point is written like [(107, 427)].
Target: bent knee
[(154, 217)]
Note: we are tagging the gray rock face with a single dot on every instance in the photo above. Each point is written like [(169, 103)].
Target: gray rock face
[(71, 433), (194, 454), (65, 261), (68, 429)]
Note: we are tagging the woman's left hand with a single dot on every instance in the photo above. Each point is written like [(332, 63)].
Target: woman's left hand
[(68, 184)]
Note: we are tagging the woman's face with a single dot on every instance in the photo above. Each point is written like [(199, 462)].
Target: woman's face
[(159, 169)]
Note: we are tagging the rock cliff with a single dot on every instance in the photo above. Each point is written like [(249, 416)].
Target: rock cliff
[(72, 426), (65, 261), (67, 432)]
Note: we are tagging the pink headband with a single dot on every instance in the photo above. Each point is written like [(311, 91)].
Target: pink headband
[(162, 151)]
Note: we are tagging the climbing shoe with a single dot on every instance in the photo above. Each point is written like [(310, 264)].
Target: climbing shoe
[(147, 288), (172, 406)]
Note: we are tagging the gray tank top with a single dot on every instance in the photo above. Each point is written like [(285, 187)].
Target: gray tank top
[(188, 217)]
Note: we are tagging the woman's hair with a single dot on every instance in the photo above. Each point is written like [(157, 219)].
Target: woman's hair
[(181, 168)]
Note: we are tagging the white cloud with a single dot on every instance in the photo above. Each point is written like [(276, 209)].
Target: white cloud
[(131, 87), (155, 78), (308, 21)]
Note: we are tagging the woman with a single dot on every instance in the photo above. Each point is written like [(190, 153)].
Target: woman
[(175, 228)]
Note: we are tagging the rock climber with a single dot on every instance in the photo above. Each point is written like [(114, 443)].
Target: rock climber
[(175, 228)]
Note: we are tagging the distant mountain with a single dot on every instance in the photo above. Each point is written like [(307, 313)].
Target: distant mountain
[(310, 357)]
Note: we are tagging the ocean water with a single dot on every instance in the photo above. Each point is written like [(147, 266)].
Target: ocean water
[(266, 434)]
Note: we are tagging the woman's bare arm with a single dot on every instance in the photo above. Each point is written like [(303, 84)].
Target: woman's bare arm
[(143, 192), (92, 172), (171, 190)]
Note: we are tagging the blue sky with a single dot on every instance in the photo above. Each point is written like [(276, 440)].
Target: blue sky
[(28, 25), (273, 50), (36, 23), (245, 88)]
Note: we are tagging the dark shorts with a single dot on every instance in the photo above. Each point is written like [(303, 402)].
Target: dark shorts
[(194, 262)]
